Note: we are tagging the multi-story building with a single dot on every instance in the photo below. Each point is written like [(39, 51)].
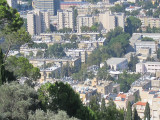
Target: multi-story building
[(149, 21), (65, 19), (12, 3), (37, 22), (66, 5), (50, 6), (146, 44), (151, 67), (110, 21), (84, 20)]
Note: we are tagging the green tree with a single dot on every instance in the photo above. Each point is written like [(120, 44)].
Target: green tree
[(39, 54), (158, 53), (117, 8), (129, 112), (132, 63), (133, 24), (135, 115), (49, 115), (60, 96), (22, 68), (10, 26), (55, 50), (147, 39), (147, 112), (17, 101), (2, 69)]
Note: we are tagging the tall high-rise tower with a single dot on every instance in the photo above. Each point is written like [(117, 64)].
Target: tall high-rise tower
[(50, 6)]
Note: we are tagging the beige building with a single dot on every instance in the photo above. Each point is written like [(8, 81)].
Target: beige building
[(75, 62), (45, 73), (37, 22), (104, 87), (149, 21), (65, 19), (85, 92), (110, 21), (84, 20)]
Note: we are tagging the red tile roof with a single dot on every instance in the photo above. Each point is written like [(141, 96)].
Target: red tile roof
[(121, 95), (141, 103)]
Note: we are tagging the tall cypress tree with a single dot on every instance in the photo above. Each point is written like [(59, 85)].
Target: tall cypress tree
[(147, 112), (129, 112), (135, 115), (2, 69)]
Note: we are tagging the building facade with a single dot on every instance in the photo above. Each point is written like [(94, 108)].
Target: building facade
[(66, 19), (151, 67), (47, 5), (110, 21), (84, 20), (37, 22)]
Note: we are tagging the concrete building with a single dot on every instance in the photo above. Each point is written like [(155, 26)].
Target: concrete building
[(117, 63), (84, 20), (72, 61), (45, 73), (151, 67), (146, 44), (82, 53), (37, 22), (110, 21), (65, 19), (85, 92), (50, 6), (149, 21), (66, 5), (12, 3)]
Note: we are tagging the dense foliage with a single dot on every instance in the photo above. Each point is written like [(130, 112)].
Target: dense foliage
[(117, 42), (55, 50), (22, 68), (61, 96), (126, 79), (17, 101), (133, 25)]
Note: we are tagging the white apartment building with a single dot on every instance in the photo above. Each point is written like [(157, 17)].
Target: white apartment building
[(110, 21), (84, 20), (37, 22), (117, 63), (12, 3), (65, 19), (149, 67), (145, 44)]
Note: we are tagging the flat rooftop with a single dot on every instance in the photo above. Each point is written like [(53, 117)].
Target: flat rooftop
[(115, 60)]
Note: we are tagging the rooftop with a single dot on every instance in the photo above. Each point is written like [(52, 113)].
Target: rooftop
[(115, 60), (141, 103)]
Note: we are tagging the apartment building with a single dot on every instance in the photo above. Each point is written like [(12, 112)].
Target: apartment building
[(72, 61), (84, 20), (110, 21), (37, 22), (50, 6), (65, 19), (12, 3), (151, 67), (145, 44), (149, 21), (82, 53)]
